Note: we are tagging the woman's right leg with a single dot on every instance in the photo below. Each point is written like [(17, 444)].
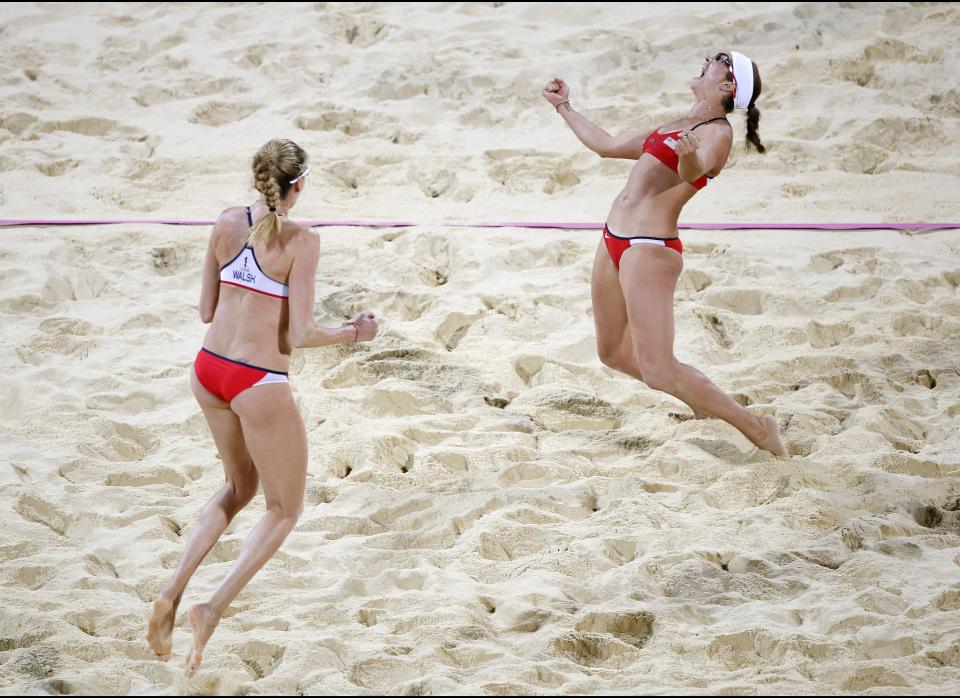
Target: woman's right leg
[(277, 441), (239, 489)]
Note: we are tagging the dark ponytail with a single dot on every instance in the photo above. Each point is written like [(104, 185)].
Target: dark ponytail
[(753, 115), (753, 122)]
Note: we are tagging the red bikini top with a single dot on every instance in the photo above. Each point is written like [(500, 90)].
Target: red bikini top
[(661, 146)]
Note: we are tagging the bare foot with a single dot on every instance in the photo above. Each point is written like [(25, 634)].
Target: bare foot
[(769, 438), (160, 625), (203, 620)]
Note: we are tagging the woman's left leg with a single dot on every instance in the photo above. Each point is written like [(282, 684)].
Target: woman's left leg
[(648, 277)]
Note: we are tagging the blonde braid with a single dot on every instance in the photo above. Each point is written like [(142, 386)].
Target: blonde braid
[(277, 162)]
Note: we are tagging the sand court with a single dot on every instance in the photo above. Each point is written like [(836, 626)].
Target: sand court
[(488, 509)]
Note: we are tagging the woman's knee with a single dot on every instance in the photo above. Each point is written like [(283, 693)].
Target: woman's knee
[(659, 375), (615, 357), (608, 355), (244, 489), (289, 510)]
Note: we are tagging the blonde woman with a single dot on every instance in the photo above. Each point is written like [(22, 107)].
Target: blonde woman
[(640, 257), (258, 294)]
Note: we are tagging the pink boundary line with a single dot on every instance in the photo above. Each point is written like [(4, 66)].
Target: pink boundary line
[(565, 225)]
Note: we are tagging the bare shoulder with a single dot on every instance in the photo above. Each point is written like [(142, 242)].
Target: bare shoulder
[(721, 130), (230, 219), (232, 214), (304, 238), (716, 141)]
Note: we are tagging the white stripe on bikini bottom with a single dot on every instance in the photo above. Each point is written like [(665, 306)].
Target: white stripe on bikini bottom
[(647, 241), (272, 378)]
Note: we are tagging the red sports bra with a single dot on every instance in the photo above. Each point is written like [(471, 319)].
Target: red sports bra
[(661, 146)]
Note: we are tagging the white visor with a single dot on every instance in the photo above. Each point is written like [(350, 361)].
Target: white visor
[(743, 79), (300, 176)]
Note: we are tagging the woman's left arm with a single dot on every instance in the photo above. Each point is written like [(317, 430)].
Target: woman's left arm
[(702, 154)]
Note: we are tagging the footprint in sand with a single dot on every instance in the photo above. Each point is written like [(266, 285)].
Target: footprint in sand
[(425, 370), (157, 475), (620, 551), (357, 30), (916, 324), (350, 122), (824, 335), (521, 170), (925, 378), (261, 658), (17, 123), (562, 178), (152, 94), (40, 511), (94, 126), (433, 183), (741, 301), (99, 567), (745, 648), (557, 253), (693, 281), (33, 577), (216, 113), (453, 328), (130, 404), (720, 326), (171, 259), (37, 662), (527, 367), (393, 452), (939, 517), (521, 473), (383, 673), (855, 385), (56, 167), (121, 442), (347, 174), (858, 260), (903, 464), (405, 306), (558, 409), (464, 522), (400, 85), (388, 516), (631, 627), (594, 650), (872, 677)]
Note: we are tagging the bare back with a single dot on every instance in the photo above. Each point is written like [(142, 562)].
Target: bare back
[(249, 326)]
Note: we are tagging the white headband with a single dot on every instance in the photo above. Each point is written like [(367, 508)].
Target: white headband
[(300, 176), (743, 79)]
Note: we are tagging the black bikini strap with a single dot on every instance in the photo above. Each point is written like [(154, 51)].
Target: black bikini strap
[(249, 216), (718, 118)]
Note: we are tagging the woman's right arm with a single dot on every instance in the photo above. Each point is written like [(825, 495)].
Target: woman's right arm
[(210, 290), (304, 332), (627, 145)]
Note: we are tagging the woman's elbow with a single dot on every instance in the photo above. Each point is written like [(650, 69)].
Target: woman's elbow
[(602, 151), (207, 308), (298, 337)]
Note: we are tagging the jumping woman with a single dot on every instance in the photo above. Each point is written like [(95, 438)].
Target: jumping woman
[(640, 258)]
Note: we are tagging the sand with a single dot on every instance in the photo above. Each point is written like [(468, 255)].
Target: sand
[(489, 509)]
